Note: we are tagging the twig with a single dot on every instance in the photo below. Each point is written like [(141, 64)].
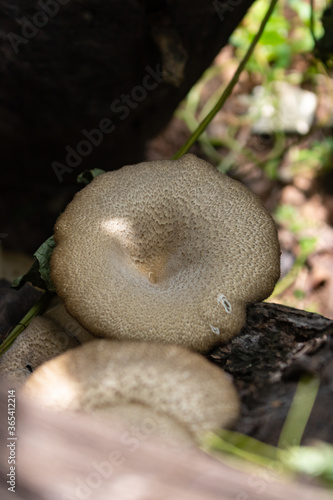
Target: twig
[(229, 88)]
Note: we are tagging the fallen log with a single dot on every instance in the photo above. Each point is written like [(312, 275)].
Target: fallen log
[(77, 457)]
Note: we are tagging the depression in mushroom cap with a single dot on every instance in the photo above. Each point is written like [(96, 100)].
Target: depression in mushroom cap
[(170, 251)]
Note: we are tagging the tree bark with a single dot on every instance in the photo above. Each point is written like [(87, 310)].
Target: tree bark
[(277, 346), (84, 84), (87, 63)]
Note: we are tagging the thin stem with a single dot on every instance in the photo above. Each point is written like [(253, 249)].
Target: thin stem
[(229, 88), (299, 413), (38, 308), (312, 21)]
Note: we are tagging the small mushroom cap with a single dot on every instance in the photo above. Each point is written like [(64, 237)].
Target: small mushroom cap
[(168, 251), (39, 342), (168, 379), (58, 314)]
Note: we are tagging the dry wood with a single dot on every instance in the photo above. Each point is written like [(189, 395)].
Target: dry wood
[(277, 317), (277, 346), (67, 457)]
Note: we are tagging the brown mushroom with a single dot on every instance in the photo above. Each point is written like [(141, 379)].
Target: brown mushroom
[(138, 380), (169, 251), (58, 314), (39, 342)]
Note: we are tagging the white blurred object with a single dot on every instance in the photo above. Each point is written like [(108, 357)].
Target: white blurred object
[(285, 108)]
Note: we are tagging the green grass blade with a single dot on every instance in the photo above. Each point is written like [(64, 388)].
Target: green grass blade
[(38, 308), (299, 412)]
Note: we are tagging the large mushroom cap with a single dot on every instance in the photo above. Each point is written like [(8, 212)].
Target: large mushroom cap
[(169, 251), (40, 341), (168, 380)]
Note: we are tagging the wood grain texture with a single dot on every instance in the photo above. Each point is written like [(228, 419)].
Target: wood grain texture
[(66, 457)]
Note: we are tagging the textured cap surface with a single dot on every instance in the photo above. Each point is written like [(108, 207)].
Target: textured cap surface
[(39, 342), (145, 422), (58, 314), (168, 379), (169, 251)]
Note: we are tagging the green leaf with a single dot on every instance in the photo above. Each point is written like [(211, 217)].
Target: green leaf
[(87, 176), (39, 273)]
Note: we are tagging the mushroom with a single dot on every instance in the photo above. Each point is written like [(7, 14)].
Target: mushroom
[(178, 390), (168, 251), (58, 314), (144, 422), (39, 342)]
